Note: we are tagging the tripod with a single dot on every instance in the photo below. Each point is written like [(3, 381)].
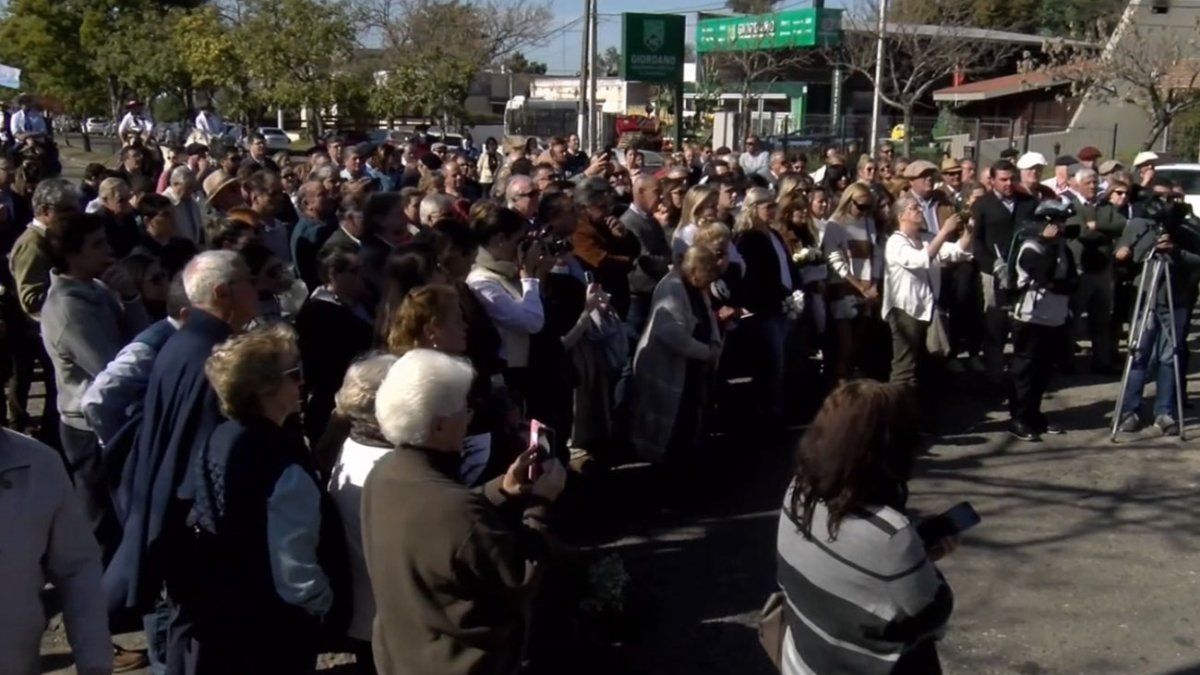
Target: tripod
[(1156, 273)]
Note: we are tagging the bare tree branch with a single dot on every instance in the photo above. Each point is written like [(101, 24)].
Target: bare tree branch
[(917, 59), (1153, 68)]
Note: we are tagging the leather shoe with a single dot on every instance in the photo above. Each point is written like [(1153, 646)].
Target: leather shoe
[(126, 660), (1024, 432)]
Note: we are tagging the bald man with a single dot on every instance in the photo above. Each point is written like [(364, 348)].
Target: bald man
[(522, 196)]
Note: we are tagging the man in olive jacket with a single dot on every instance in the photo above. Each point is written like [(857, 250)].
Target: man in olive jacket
[(452, 570)]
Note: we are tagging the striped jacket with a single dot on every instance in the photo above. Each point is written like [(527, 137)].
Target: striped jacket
[(862, 603)]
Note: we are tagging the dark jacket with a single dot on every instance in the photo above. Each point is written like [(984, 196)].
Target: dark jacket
[(762, 289), (122, 231), (995, 225), (654, 260), (173, 255), (331, 336), (452, 570), (307, 239), (256, 522), (180, 411), (341, 239)]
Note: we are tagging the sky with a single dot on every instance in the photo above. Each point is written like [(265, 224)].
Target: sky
[(562, 50)]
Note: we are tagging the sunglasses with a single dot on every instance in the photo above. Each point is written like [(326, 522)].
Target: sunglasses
[(863, 205), (1120, 192)]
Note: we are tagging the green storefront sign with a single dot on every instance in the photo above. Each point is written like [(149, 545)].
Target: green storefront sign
[(800, 28), (652, 48)]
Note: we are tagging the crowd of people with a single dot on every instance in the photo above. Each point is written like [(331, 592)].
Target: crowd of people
[(340, 394)]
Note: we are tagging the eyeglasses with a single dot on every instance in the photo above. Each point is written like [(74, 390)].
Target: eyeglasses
[(531, 194), (295, 374)]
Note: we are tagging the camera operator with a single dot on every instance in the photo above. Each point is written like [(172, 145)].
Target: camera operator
[(1165, 233), (1046, 277)]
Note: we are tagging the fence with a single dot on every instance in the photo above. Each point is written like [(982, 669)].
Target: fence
[(982, 138)]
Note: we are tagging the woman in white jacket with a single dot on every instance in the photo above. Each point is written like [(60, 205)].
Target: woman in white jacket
[(912, 281)]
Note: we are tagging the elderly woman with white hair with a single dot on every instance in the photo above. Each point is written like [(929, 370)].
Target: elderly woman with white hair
[(360, 452), (452, 578)]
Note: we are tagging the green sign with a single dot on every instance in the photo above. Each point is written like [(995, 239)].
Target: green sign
[(800, 28), (652, 48)]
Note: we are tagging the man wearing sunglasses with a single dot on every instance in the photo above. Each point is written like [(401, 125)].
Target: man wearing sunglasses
[(755, 159)]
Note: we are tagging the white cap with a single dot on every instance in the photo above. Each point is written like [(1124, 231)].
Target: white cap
[(1145, 157), (1030, 160)]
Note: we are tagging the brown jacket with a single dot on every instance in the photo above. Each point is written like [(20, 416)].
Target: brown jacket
[(451, 576)]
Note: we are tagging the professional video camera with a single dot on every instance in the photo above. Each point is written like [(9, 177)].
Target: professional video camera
[(1056, 212), (552, 244), (1167, 216)]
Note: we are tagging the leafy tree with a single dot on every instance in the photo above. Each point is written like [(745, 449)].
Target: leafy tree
[(610, 62), (293, 50), (517, 63), (42, 38), (434, 49)]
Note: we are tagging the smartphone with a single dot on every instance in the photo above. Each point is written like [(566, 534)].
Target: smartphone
[(589, 278), (956, 520), (541, 439)]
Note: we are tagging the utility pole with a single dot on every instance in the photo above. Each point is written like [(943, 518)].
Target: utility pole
[(878, 77), (581, 122), (594, 115)]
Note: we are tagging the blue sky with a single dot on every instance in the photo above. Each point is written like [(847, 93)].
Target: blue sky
[(561, 52)]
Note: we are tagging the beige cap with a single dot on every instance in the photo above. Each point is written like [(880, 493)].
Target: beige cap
[(918, 168), (1110, 165), (1144, 157)]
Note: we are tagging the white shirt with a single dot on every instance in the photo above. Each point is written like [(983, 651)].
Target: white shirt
[(209, 124), (27, 122), (135, 124), (346, 488), (913, 276)]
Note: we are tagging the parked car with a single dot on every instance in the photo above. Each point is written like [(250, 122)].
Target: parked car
[(1187, 177), (99, 126), (277, 139)]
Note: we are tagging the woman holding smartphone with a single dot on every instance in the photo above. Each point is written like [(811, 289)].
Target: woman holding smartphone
[(862, 592)]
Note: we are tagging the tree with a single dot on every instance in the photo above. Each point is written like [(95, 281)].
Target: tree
[(1062, 18), (517, 63), (1155, 68), (295, 50), (610, 62), (42, 38), (915, 60), (432, 77), (756, 64)]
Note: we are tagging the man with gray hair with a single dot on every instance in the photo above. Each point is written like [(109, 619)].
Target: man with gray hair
[(655, 257), (1093, 257), (522, 196), (29, 260), (602, 243), (180, 411), (452, 579), (181, 191), (433, 208)]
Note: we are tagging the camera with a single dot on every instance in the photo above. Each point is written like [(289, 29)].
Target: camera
[(552, 244), (1167, 216), (1055, 212)]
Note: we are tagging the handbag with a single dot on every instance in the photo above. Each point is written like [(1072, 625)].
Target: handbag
[(937, 338), (772, 628)]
